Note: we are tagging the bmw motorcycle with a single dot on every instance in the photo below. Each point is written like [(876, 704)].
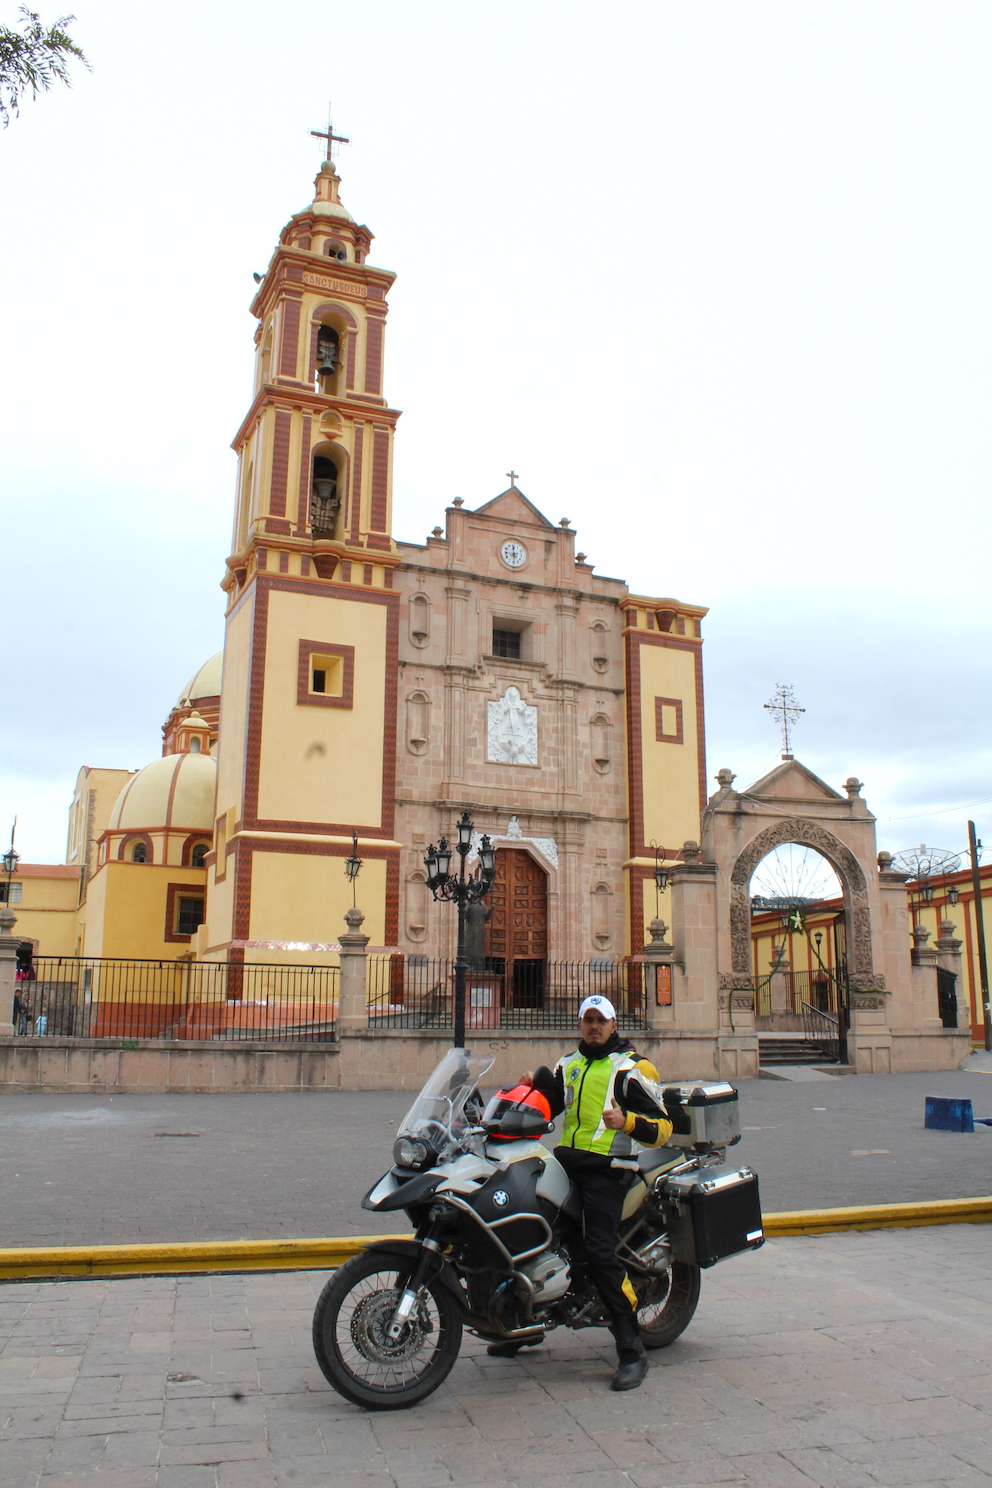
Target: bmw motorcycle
[(497, 1246)]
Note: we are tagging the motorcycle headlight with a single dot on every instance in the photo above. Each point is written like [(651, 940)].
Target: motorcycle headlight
[(409, 1153)]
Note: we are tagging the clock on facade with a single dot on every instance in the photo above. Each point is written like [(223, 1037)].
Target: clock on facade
[(513, 554)]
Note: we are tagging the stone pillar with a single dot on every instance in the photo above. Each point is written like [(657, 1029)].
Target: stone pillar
[(352, 995), (8, 971), (924, 972), (949, 959), (659, 978), (779, 990)]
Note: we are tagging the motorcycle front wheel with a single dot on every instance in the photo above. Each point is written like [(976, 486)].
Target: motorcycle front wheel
[(353, 1349), (666, 1304)]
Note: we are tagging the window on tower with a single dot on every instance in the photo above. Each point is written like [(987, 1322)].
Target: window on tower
[(506, 643), (328, 352), (325, 500)]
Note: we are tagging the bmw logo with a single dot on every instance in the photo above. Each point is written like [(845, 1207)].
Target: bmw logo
[(501, 1198)]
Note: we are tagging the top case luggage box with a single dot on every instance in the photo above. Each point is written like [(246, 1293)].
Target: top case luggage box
[(704, 1115)]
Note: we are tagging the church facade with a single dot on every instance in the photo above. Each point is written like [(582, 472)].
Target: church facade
[(381, 687)]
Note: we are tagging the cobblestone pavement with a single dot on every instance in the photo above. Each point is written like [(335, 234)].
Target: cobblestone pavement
[(81, 1169), (849, 1361)]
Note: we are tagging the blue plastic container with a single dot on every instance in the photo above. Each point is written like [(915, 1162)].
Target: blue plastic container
[(949, 1113)]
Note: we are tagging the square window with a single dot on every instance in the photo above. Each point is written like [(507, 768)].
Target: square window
[(506, 643), (189, 914), (15, 893), (326, 675)]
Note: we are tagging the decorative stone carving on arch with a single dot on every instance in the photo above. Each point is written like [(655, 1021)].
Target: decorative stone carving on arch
[(798, 829)]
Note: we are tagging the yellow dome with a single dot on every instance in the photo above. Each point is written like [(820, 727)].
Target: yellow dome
[(204, 683), (174, 791)]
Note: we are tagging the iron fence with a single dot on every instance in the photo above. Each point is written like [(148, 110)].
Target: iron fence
[(100, 997), (418, 992), (816, 989)]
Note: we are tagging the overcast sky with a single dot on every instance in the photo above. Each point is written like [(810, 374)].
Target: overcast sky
[(713, 277)]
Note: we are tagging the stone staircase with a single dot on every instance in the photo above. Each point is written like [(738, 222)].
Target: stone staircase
[(783, 1049)]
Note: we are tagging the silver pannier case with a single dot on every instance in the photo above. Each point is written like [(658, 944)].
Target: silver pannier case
[(704, 1115)]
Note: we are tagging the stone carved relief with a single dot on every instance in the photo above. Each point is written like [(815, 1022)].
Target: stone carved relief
[(547, 846), (860, 1003), (512, 730), (866, 983), (798, 829)]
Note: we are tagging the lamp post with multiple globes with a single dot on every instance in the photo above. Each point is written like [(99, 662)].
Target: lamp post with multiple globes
[(463, 891)]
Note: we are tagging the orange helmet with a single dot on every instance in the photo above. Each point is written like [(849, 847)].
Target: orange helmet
[(521, 1111)]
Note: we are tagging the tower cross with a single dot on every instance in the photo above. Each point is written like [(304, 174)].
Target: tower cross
[(786, 713), (331, 138), (513, 477)]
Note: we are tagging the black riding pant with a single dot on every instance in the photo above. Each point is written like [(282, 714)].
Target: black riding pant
[(601, 1191)]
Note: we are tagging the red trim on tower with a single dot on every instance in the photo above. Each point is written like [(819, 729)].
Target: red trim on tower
[(373, 356), (380, 480), (289, 350), (356, 482), (280, 463), (303, 501)]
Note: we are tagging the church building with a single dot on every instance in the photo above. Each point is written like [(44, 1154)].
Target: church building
[(381, 687)]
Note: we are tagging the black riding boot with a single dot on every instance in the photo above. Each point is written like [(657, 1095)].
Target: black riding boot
[(632, 1358)]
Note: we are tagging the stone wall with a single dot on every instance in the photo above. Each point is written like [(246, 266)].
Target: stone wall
[(386, 1060)]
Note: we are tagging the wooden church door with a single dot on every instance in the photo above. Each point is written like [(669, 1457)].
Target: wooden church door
[(518, 929)]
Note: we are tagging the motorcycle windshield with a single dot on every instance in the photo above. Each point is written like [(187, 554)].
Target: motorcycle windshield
[(438, 1114)]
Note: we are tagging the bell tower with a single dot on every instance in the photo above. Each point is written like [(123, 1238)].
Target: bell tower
[(307, 736)]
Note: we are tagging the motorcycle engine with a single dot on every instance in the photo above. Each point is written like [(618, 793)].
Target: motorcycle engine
[(551, 1275)]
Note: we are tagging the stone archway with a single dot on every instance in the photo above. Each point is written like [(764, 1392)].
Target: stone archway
[(810, 834)]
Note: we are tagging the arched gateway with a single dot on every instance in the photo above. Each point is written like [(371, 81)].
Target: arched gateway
[(708, 1001)]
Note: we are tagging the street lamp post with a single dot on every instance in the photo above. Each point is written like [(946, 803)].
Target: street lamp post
[(444, 885), (10, 861)]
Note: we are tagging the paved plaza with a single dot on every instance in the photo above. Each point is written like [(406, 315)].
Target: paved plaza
[(100, 1169), (846, 1361)]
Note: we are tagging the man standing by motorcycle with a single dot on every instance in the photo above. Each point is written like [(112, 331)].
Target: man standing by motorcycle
[(597, 1150)]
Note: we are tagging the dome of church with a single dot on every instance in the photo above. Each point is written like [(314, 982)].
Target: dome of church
[(174, 791), (204, 683)]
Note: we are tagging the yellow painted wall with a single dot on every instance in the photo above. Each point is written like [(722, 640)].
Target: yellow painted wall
[(47, 914), (671, 773), (315, 759), (125, 910), (233, 707), (297, 896)]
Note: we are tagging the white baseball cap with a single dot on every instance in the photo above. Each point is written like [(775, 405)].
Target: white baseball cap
[(598, 1004)]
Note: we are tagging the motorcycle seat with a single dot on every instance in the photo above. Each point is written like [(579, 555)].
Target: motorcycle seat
[(658, 1157)]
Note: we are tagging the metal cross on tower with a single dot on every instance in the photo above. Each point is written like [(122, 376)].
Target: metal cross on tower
[(331, 138), (786, 712)]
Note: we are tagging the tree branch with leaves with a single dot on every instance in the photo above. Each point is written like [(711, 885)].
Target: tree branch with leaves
[(33, 58)]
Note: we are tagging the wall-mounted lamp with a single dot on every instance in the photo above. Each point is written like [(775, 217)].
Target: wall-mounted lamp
[(353, 865)]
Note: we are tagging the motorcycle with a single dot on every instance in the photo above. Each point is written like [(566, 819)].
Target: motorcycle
[(497, 1246)]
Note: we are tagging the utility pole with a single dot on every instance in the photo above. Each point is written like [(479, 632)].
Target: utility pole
[(983, 964)]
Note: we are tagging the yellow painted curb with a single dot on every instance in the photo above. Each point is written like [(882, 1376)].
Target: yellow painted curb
[(877, 1217), (184, 1257), (324, 1254)]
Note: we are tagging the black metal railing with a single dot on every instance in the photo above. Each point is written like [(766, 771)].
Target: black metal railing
[(823, 1029), (417, 992), (100, 997), (817, 988)]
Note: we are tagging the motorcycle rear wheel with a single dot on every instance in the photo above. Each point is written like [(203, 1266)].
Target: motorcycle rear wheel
[(350, 1342), (663, 1317)]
